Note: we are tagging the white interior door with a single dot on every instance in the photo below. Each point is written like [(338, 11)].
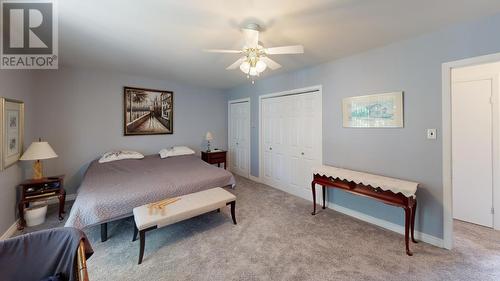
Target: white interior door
[(306, 141), (239, 138), (472, 143), (291, 141), (274, 141)]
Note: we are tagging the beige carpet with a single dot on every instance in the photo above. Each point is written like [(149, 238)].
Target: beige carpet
[(277, 239)]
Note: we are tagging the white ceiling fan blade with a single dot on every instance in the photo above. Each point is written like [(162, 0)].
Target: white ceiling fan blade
[(236, 64), (222, 51), (251, 38), (270, 63), (297, 49)]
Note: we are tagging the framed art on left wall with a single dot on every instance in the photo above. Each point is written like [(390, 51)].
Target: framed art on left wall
[(12, 131)]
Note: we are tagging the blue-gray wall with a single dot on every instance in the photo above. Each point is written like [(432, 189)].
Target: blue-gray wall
[(413, 66), (16, 84), (80, 113)]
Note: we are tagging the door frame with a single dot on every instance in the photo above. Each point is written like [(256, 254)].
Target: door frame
[(243, 100), (446, 70), (298, 91)]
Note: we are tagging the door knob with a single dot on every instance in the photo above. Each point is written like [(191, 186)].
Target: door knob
[(302, 153), (270, 148)]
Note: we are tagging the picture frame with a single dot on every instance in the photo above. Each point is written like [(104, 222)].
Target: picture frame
[(147, 111), (12, 131), (373, 111)]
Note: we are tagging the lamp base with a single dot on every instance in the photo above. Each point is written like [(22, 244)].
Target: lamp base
[(37, 170)]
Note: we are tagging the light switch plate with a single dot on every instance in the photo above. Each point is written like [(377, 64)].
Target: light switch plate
[(431, 134)]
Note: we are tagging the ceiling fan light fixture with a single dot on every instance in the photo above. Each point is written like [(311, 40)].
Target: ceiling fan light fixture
[(254, 57), (253, 71), (245, 67), (260, 66)]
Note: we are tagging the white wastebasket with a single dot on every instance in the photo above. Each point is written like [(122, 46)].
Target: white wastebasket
[(35, 215)]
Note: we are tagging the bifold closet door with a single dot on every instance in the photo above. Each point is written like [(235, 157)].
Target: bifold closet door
[(239, 139), (291, 140), (305, 141), (274, 128)]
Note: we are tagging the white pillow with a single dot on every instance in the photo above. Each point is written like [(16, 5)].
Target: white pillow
[(120, 155), (176, 151)]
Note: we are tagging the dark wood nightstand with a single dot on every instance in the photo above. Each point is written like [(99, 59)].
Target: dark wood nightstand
[(215, 157), (36, 190)]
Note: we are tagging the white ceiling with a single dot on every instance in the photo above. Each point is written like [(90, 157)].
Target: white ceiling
[(164, 38)]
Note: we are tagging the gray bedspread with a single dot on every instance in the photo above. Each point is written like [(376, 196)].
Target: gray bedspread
[(110, 191)]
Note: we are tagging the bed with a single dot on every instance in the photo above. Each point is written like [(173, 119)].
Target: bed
[(110, 191)]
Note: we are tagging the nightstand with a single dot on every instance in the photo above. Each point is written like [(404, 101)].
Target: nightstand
[(214, 157), (43, 189)]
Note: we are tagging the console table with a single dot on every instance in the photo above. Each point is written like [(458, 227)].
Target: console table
[(390, 191)]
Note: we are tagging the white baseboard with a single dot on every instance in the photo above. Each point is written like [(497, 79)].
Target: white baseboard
[(256, 179), (10, 231), (438, 242)]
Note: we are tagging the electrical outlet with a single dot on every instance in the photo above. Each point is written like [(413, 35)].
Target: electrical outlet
[(431, 134)]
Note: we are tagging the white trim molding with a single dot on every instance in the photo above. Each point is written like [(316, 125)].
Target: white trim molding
[(255, 179), (446, 133), (249, 133), (10, 231)]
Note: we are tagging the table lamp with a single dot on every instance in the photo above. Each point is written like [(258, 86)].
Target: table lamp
[(38, 150), (209, 137)]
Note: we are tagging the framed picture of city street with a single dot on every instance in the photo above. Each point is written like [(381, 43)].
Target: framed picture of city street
[(148, 112)]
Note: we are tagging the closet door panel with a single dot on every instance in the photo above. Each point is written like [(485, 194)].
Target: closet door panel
[(266, 124), (292, 141)]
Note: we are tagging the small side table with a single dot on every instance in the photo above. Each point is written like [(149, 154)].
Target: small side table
[(37, 190), (215, 157)]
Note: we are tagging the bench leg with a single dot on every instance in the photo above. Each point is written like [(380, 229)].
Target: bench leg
[(104, 232), (233, 207), (135, 233), (142, 238)]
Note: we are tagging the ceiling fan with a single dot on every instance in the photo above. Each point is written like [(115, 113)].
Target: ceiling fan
[(255, 57)]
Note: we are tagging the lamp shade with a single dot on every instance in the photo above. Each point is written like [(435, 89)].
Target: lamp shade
[(209, 136), (39, 150)]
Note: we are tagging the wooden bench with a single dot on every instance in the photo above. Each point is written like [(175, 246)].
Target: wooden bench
[(188, 206)]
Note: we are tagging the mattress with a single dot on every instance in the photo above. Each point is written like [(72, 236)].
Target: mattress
[(110, 191)]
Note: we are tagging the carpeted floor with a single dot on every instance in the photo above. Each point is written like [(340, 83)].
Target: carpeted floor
[(277, 239)]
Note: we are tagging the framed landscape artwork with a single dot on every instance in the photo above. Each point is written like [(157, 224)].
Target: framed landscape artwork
[(12, 131), (148, 112), (373, 111)]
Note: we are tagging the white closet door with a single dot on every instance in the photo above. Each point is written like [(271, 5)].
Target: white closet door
[(266, 143), (296, 180), (306, 146), (274, 127), (239, 138), (472, 151), (291, 139)]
